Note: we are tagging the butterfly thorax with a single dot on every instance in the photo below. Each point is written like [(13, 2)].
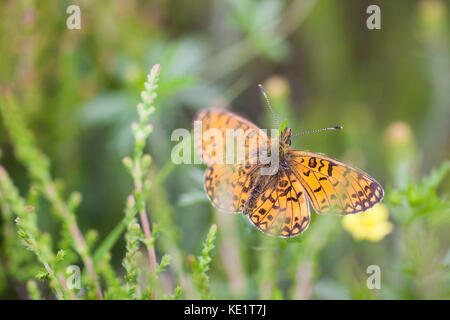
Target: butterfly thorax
[(285, 142)]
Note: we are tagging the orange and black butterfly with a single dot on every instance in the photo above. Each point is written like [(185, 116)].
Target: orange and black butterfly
[(278, 203)]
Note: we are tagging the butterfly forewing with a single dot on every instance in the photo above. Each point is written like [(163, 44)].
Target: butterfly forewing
[(334, 185), (212, 143)]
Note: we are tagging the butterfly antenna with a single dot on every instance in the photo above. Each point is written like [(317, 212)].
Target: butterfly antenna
[(319, 130), (268, 104)]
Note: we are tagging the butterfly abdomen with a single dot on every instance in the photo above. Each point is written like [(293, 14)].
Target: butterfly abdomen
[(251, 202), (254, 195)]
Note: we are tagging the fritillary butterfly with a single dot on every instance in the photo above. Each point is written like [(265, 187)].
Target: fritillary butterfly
[(277, 204)]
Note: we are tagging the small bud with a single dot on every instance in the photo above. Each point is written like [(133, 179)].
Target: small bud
[(60, 255), (148, 129), (74, 200), (178, 292), (91, 237), (146, 161), (398, 133), (128, 163), (144, 96), (140, 137), (147, 186), (433, 16), (156, 70), (43, 275), (130, 201), (22, 234), (140, 107), (147, 85), (135, 228)]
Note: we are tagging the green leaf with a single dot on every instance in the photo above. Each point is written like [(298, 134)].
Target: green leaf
[(110, 240)]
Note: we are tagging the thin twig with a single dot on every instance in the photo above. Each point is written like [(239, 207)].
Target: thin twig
[(150, 247), (59, 293), (138, 167), (81, 247)]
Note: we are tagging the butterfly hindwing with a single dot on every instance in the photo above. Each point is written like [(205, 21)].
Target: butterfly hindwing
[(281, 208), (228, 185), (334, 185)]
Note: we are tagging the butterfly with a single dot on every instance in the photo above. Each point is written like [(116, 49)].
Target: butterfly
[(278, 204)]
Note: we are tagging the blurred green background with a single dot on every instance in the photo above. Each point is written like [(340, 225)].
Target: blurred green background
[(320, 65)]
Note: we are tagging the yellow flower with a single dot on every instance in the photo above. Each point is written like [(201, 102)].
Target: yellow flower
[(372, 225)]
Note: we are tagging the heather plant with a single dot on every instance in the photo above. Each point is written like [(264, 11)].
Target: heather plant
[(138, 283)]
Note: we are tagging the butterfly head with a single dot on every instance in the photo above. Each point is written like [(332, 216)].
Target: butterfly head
[(285, 137)]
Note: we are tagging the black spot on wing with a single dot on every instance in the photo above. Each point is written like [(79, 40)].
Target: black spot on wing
[(312, 162)]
